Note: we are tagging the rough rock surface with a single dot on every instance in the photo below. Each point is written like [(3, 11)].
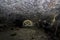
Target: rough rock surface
[(14, 12)]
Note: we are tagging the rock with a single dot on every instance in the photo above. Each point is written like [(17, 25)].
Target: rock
[(14, 34)]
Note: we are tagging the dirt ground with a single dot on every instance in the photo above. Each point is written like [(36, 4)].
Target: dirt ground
[(23, 34)]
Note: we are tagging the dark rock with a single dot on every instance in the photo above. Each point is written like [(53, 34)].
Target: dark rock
[(14, 34)]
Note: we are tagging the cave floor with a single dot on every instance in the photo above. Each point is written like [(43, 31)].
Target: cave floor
[(23, 34)]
